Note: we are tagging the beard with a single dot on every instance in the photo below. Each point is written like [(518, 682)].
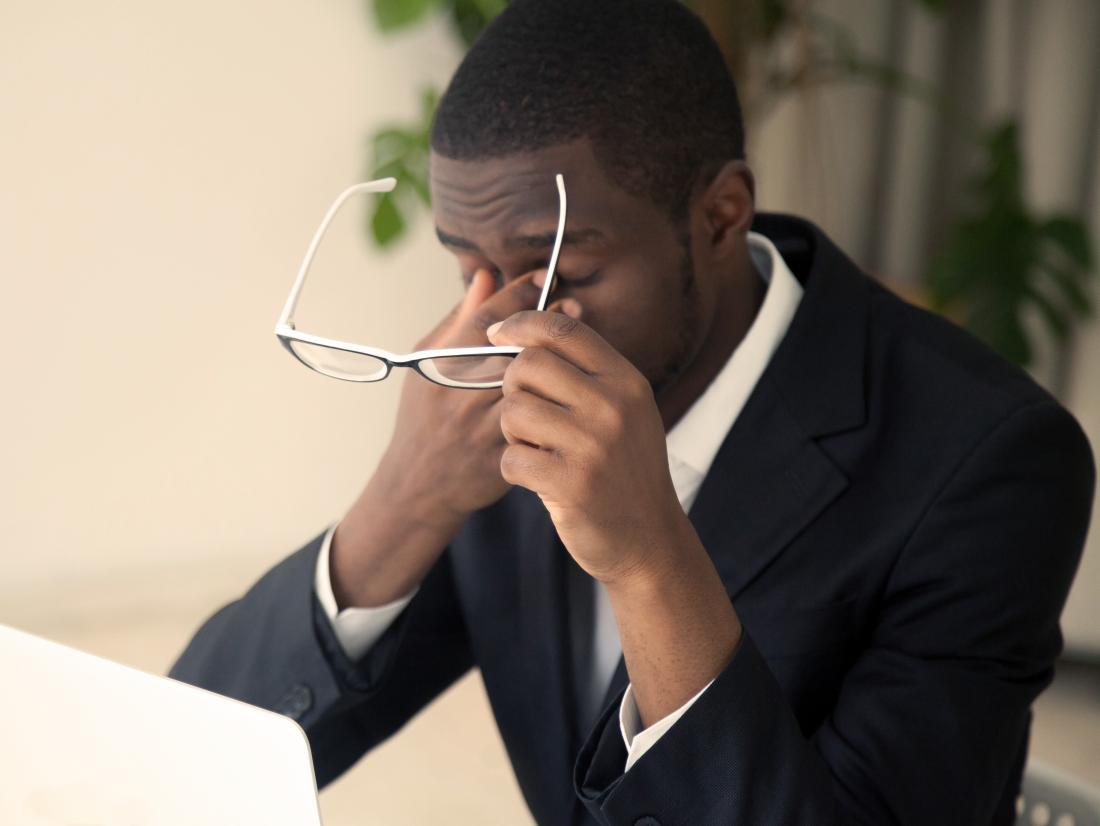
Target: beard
[(685, 344)]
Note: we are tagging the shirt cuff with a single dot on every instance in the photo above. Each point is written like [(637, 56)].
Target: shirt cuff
[(639, 742), (356, 629)]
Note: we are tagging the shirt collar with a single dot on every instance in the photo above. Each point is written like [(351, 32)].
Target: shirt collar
[(694, 440)]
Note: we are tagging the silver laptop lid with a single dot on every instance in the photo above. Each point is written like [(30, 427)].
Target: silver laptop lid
[(87, 741)]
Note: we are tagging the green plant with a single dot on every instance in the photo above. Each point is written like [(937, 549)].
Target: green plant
[(401, 150), (999, 260)]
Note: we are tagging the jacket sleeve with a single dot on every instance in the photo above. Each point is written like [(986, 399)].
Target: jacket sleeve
[(276, 649), (930, 719)]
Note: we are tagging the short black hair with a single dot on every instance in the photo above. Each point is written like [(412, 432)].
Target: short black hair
[(643, 80)]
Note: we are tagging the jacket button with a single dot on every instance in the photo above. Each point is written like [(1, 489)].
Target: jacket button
[(647, 821), (297, 702)]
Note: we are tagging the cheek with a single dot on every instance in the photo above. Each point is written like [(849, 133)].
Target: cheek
[(637, 311)]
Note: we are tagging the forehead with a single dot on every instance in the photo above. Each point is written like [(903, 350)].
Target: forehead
[(517, 193)]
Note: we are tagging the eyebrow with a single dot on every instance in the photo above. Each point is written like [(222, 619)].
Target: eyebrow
[(573, 237)]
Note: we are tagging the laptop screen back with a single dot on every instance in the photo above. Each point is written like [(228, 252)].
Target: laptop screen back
[(87, 741)]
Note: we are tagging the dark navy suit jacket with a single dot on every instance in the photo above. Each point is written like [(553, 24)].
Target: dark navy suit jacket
[(897, 515)]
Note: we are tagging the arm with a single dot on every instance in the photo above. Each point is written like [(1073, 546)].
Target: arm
[(932, 715), (275, 648)]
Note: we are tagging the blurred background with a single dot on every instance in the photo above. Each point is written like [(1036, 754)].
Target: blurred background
[(165, 164)]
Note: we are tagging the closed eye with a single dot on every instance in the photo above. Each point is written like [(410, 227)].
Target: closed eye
[(584, 280)]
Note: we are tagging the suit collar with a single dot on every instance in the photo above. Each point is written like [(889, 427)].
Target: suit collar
[(695, 439), (819, 366), (771, 478)]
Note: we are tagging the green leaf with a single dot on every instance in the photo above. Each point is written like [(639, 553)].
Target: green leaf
[(470, 19), (396, 14), (933, 5), (391, 144), (429, 102), (1055, 317), (1068, 282), (419, 184), (390, 169), (490, 8), (1070, 236), (387, 222)]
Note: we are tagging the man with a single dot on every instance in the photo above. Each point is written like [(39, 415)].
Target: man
[(830, 534)]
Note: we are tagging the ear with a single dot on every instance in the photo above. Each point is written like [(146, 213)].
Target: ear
[(729, 204)]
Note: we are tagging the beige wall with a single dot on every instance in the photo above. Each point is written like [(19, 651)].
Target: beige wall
[(163, 167)]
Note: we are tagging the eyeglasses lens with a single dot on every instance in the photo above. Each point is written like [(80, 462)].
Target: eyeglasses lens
[(340, 364), (467, 371)]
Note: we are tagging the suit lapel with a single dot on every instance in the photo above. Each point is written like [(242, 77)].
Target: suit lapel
[(768, 481), (771, 478)]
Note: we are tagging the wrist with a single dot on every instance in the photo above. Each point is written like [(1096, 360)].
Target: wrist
[(667, 553), (396, 492), (677, 626), (385, 545)]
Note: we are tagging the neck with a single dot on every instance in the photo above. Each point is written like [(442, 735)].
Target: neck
[(738, 301)]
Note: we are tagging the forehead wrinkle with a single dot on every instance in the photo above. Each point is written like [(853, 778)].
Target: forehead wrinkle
[(517, 192), (496, 224), (505, 213)]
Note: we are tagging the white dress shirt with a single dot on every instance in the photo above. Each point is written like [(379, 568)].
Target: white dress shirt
[(692, 445)]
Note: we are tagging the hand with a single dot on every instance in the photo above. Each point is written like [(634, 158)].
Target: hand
[(585, 434), (447, 442), (442, 463)]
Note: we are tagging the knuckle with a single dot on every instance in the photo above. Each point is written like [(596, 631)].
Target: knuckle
[(483, 320), (613, 419), (528, 360), (511, 464), (561, 326), (511, 384), (508, 406), (593, 449), (513, 408), (507, 465), (639, 389)]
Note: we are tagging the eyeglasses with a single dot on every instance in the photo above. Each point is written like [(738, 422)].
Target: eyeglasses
[(475, 368)]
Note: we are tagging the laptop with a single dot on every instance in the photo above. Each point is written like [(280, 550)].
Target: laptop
[(88, 742)]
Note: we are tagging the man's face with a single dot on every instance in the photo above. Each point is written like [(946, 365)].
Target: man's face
[(623, 258)]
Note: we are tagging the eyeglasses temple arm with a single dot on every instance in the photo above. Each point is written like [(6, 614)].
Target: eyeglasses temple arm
[(381, 185), (552, 268)]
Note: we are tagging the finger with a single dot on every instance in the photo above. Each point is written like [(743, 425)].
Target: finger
[(530, 467), (480, 287), (546, 374), (529, 419), (520, 294), (570, 306), (569, 337)]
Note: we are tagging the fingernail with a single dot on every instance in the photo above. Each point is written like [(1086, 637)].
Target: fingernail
[(571, 307), (539, 278), (493, 328)]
